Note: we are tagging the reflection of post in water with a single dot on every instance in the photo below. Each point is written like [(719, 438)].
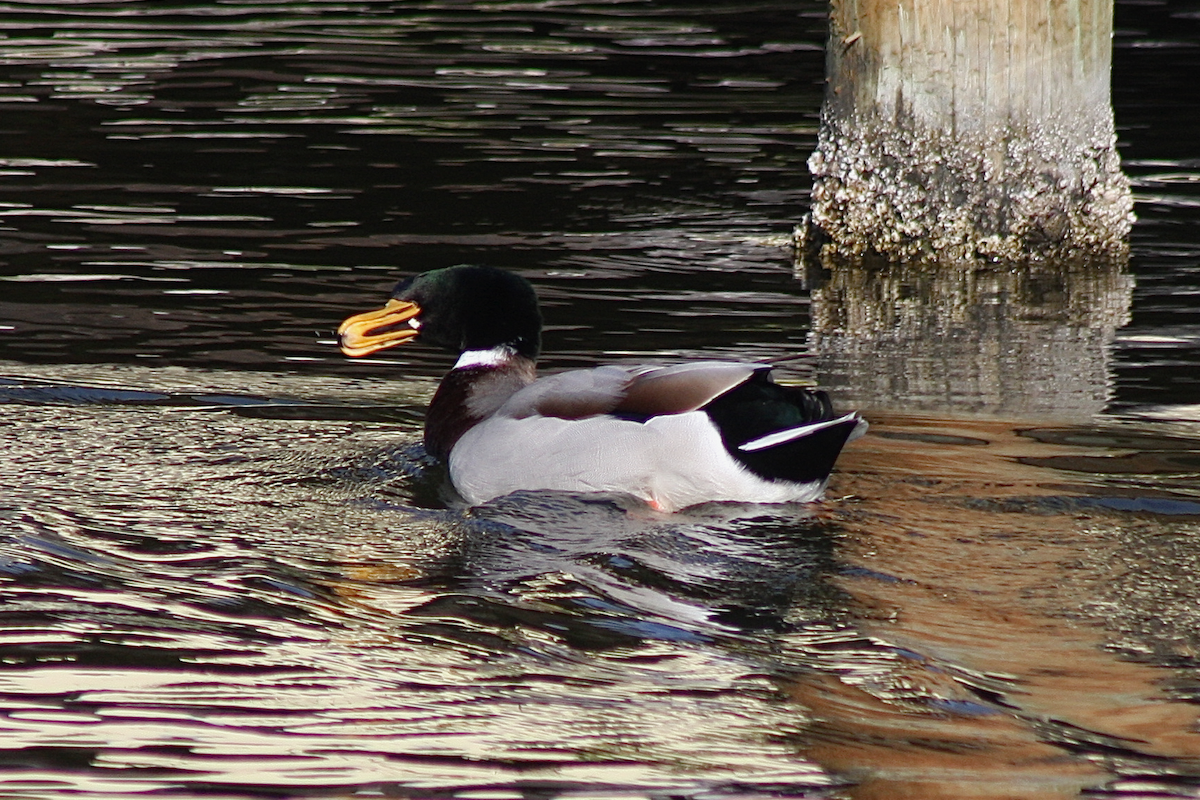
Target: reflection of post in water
[(968, 131), (1032, 339)]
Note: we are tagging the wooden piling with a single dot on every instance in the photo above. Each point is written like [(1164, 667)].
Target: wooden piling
[(967, 130)]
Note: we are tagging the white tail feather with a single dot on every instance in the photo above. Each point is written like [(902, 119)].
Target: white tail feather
[(791, 434)]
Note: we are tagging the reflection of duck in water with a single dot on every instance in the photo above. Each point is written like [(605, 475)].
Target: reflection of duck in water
[(672, 436)]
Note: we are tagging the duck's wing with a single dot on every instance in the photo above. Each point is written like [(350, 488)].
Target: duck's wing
[(683, 388), (635, 391), (575, 394)]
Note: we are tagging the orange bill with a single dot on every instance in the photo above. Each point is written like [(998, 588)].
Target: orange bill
[(373, 331)]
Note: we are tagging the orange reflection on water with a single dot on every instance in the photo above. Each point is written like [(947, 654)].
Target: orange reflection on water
[(988, 581)]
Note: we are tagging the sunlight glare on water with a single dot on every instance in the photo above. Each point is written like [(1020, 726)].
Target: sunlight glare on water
[(249, 586)]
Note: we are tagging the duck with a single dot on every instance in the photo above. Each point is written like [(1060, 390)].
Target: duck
[(672, 436)]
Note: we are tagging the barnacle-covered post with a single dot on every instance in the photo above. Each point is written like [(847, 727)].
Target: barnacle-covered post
[(968, 130)]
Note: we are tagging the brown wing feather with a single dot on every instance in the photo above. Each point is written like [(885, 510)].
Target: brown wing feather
[(574, 394), (645, 392), (683, 388)]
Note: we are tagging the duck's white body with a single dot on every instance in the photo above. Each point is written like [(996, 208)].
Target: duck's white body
[(670, 461)]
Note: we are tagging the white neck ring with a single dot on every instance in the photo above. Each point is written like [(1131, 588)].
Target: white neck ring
[(493, 357)]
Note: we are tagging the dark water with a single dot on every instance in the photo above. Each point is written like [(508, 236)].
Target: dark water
[(226, 569)]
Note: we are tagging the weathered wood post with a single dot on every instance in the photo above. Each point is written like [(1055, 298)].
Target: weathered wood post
[(968, 130)]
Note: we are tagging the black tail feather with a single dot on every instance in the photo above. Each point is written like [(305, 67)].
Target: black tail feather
[(759, 407), (804, 459)]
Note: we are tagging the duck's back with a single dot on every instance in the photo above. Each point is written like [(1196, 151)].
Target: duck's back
[(673, 437)]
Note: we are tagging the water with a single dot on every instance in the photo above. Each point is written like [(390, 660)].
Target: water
[(228, 571)]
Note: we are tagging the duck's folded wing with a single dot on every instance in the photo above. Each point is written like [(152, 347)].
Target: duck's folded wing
[(575, 394), (683, 388), (636, 391)]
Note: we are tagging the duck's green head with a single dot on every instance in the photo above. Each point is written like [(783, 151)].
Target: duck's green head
[(467, 307)]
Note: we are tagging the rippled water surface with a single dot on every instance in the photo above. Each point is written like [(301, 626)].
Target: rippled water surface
[(228, 570)]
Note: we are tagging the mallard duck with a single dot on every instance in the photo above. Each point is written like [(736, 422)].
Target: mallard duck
[(673, 436)]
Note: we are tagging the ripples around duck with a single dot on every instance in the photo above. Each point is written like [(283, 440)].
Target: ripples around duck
[(263, 594)]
